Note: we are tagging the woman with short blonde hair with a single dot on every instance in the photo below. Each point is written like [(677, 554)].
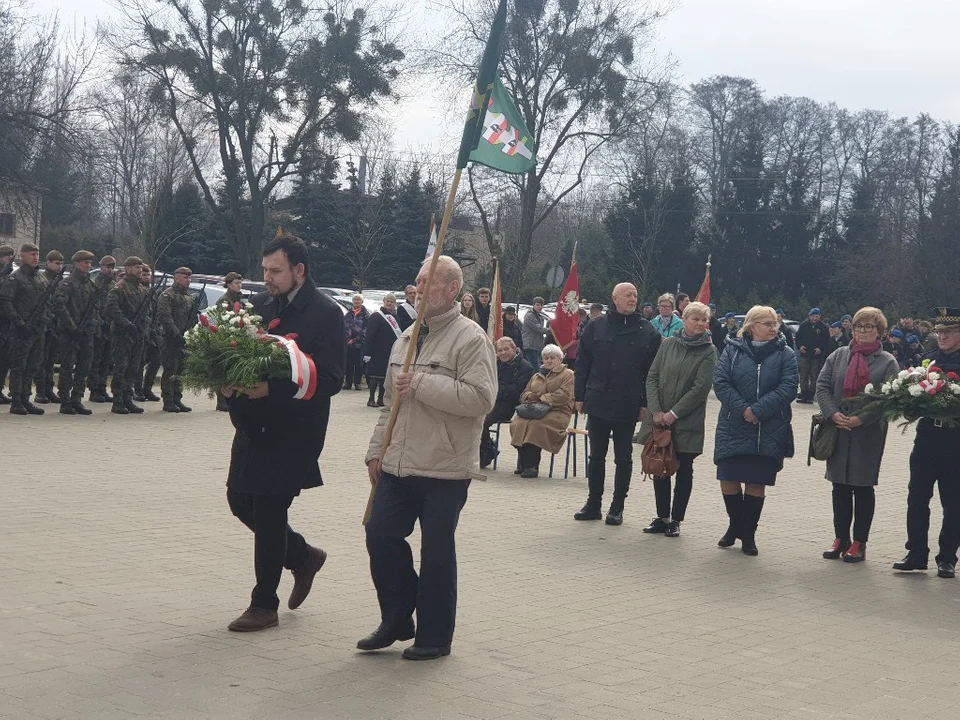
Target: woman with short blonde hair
[(756, 381), (696, 310)]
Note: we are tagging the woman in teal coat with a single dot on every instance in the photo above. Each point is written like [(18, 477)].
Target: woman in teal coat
[(678, 384)]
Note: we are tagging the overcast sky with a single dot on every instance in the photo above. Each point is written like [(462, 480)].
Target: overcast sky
[(889, 55)]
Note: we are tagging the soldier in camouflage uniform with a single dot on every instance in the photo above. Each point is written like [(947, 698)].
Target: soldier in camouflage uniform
[(21, 304), (234, 284), (102, 349), (177, 310), (51, 349), (125, 307), (76, 310), (150, 363), (6, 267)]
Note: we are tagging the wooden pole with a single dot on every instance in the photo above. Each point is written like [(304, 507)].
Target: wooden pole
[(415, 334)]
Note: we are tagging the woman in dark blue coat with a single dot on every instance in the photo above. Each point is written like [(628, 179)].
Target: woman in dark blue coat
[(756, 380)]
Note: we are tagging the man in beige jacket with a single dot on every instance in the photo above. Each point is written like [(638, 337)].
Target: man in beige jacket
[(451, 386)]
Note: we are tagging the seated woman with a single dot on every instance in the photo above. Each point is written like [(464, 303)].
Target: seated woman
[(553, 385)]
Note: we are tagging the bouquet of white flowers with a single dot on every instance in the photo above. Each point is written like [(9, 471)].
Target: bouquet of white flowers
[(918, 392)]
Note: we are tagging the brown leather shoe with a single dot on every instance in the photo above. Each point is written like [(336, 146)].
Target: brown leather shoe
[(303, 576), (254, 619)]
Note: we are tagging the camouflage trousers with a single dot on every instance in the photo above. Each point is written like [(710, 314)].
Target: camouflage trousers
[(75, 359), (126, 364), (101, 361), (25, 358), (172, 357), (149, 366), (51, 350)]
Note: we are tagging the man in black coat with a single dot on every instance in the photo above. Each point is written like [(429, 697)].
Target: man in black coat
[(513, 374), (278, 437), (511, 326), (616, 352), (483, 306), (785, 330), (813, 346), (935, 460)]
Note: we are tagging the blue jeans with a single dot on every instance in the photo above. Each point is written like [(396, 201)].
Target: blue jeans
[(397, 504)]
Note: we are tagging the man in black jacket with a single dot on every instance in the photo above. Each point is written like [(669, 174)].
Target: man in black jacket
[(278, 437), (511, 327), (785, 330), (813, 346), (483, 306), (513, 374), (717, 335), (935, 460), (615, 353)]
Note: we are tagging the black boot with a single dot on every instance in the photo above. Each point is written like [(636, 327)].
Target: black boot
[(41, 398), (67, 409), (107, 397), (17, 408), (150, 395), (119, 408), (128, 403), (30, 407), (139, 396), (97, 396), (590, 511), (170, 406), (734, 504), (621, 486), (53, 397), (183, 408), (752, 507), (81, 410), (4, 400)]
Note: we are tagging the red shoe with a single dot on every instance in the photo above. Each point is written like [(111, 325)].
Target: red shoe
[(857, 552), (837, 549)]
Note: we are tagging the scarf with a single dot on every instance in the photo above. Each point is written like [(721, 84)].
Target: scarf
[(693, 340), (858, 371)]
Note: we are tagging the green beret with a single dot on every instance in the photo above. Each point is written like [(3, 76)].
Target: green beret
[(6, 250), (131, 261), (81, 255), (108, 260), (183, 271), (54, 255), (231, 276), (29, 247)]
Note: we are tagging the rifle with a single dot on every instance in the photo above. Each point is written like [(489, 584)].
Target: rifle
[(93, 301), (196, 305), (149, 296), (47, 293)]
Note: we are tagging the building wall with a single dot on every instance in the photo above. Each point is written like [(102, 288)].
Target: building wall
[(20, 212)]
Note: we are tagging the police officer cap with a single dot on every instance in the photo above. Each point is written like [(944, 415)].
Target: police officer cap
[(54, 255), (132, 261), (781, 312), (183, 271), (912, 339), (712, 306), (896, 333), (6, 250), (947, 317), (231, 276), (836, 324), (81, 255), (729, 315), (29, 247), (846, 317), (814, 311), (108, 261)]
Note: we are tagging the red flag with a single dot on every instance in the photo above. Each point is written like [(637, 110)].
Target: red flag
[(495, 323), (567, 317), (704, 295)]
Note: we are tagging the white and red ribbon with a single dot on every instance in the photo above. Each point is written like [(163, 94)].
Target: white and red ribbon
[(303, 371)]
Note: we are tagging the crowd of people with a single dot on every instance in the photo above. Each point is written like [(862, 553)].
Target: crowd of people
[(649, 364), (122, 325)]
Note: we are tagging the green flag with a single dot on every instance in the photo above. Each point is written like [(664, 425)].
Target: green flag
[(495, 134)]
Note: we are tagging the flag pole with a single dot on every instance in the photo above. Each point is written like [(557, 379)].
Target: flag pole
[(415, 333)]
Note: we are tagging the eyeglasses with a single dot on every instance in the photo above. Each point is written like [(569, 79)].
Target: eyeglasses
[(944, 333), (769, 324), (864, 328)]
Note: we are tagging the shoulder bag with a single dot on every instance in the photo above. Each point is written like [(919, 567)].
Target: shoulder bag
[(532, 410), (823, 438), (659, 456)]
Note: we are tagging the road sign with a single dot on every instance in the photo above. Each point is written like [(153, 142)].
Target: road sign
[(556, 276)]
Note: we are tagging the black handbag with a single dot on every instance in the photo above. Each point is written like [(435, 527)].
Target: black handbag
[(532, 410)]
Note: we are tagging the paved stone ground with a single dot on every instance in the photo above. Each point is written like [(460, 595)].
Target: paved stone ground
[(121, 567)]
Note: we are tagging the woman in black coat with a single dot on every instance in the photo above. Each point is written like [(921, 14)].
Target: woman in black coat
[(755, 380), (383, 329)]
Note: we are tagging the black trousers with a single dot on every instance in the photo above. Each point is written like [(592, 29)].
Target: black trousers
[(927, 468), (502, 413), (397, 505), (529, 456), (599, 431), (276, 545), (853, 504), (354, 374), (376, 387), (682, 489)]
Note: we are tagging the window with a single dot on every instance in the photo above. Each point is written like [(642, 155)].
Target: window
[(6, 224)]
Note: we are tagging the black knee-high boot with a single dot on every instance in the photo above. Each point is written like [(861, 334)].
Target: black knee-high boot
[(734, 505), (752, 507)]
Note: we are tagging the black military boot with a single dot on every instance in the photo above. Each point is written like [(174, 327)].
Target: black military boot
[(41, 398), (130, 405), (183, 408), (81, 410), (53, 397), (30, 407), (4, 400), (139, 396), (97, 396), (67, 409), (150, 395), (17, 408), (119, 408), (107, 397), (170, 406)]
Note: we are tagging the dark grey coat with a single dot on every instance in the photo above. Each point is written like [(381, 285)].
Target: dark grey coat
[(856, 460)]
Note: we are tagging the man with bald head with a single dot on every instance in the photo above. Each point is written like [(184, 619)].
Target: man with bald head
[(616, 351), (433, 452)]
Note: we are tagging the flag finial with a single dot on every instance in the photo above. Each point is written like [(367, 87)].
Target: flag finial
[(279, 231)]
